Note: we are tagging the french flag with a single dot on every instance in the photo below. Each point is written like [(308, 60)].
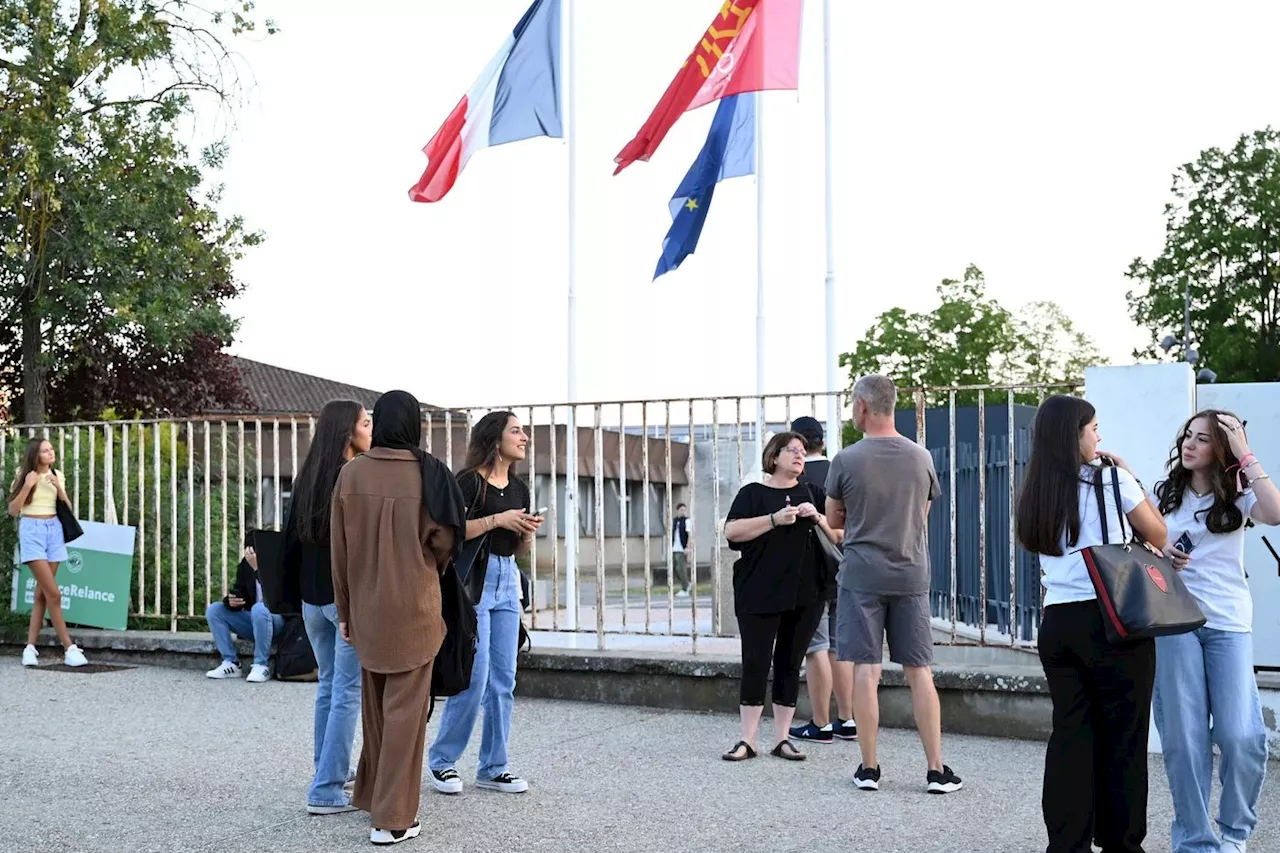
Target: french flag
[(517, 97)]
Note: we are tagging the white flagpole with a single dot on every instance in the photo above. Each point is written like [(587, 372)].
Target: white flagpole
[(833, 379), (760, 413), (571, 431)]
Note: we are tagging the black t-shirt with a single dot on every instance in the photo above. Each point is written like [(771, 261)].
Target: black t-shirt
[(778, 570), (815, 474), (502, 542)]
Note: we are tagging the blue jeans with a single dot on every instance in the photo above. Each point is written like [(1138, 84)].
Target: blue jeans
[(1209, 673), (337, 704), (493, 677), (257, 622)]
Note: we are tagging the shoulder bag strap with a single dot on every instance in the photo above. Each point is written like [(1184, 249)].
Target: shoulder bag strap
[(1115, 488), (1102, 505)]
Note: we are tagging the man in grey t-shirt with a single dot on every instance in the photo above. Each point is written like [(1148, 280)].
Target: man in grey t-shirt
[(879, 489)]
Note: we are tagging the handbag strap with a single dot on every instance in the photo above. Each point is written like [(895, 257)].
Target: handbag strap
[(1102, 505)]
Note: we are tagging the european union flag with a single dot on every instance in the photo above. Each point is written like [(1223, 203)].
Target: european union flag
[(729, 152)]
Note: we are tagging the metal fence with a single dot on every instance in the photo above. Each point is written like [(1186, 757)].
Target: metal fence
[(610, 475)]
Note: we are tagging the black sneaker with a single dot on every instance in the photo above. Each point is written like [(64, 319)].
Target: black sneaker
[(845, 729), (945, 782), (867, 780), (447, 781), (811, 731), (504, 782)]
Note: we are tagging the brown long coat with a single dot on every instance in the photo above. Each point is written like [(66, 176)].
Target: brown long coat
[(387, 553)]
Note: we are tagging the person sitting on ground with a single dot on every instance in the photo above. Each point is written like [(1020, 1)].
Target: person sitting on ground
[(244, 612)]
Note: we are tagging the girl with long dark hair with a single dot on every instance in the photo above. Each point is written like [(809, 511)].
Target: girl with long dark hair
[(779, 588), (33, 498), (1215, 485), (343, 432), (498, 508), (1095, 769)]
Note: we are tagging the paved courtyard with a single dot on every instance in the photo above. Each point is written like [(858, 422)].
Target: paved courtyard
[(152, 759)]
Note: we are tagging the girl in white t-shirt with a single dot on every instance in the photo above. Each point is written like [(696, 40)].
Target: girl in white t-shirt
[(1215, 486), (1095, 768)]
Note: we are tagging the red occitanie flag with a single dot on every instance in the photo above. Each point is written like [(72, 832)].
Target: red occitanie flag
[(752, 45)]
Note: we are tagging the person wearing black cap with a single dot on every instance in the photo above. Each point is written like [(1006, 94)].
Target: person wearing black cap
[(822, 670)]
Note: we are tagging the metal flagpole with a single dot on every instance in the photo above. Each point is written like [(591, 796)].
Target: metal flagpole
[(833, 378), (571, 431), (760, 414)]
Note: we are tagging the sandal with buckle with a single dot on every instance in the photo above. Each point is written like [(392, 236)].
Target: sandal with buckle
[(734, 755), (786, 749)]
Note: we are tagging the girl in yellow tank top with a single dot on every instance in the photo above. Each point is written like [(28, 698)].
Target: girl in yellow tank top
[(33, 498)]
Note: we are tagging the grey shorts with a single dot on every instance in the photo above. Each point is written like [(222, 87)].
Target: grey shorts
[(865, 619), (824, 639)]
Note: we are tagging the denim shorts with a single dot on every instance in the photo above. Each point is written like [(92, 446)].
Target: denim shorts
[(41, 539)]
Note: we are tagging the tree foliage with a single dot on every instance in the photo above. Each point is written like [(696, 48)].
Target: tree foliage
[(970, 339), (114, 265), (1222, 252)]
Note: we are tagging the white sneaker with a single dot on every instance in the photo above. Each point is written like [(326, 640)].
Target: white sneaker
[(387, 836), (258, 674), (1230, 845), (327, 810), (684, 593), (506, 783), (74, 657), (30, 656), (227, 669)]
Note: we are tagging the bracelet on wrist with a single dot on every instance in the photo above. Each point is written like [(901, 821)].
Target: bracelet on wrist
[(772, 523)]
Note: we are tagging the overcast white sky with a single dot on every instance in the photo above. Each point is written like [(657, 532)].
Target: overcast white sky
[(1034, 140)]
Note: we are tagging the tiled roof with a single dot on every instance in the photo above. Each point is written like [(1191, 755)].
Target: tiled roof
[(277, 391)]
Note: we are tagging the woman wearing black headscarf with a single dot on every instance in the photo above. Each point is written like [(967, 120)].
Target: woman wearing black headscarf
[(396, 522)]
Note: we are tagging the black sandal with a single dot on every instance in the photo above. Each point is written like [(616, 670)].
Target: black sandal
[(732, 754), (790, 753)]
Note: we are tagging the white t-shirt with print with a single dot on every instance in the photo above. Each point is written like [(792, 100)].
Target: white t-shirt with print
[(1066, 578), (1215, 573)]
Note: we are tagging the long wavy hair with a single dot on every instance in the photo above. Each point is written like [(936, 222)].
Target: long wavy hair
[(1224, 516), (313, 488), (1049, 501), (486, 438), (30, 462)]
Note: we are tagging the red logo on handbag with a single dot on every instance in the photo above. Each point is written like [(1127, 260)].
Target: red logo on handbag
[(1157, 578)]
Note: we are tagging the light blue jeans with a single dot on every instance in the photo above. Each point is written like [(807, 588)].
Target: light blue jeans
[(337, 704), (257, 622), (1201, 675), (493, 677)]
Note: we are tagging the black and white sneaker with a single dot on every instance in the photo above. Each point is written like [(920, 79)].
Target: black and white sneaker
[(945, 782), (867, 779), (812, 731), (447, 781), (845, 729), (506, 783), (394, 836)]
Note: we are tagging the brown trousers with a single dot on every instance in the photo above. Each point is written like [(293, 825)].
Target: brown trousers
[(394, 719)]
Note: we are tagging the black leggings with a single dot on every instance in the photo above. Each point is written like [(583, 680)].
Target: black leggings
[(792, 630)]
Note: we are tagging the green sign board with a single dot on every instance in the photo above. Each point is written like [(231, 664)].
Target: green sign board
[(94, 579)]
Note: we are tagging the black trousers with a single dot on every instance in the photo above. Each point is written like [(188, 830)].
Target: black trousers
[(783, 638), (1095, 770)]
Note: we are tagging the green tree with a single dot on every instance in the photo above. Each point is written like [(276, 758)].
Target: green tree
[(1222, 256), (970, 339), (111, 256)]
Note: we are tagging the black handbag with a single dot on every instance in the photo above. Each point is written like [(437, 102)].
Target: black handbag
[(451, 671), (829, 556), (1139, 591), (71, 529)]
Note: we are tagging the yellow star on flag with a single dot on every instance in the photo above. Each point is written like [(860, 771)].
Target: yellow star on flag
[(691, 204)]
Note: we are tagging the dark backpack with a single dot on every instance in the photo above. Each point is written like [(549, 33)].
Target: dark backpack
[(451, 673), (295, 661)]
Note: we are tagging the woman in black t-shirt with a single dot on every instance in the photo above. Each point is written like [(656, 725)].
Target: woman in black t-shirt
[(497, 508), (778, 588)]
